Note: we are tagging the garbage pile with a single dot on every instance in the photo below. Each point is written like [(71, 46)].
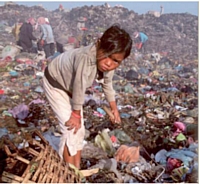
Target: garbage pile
[(175, 34), (156, 93)]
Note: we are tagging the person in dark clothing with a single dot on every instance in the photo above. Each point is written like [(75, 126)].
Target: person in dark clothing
[(26, 36), (59, 47), (61, 41), (65, 42)]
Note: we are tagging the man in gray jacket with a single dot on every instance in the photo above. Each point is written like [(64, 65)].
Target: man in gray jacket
[(68, 76), (47, 39)]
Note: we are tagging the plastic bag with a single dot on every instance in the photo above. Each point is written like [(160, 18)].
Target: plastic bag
[(10, 50)]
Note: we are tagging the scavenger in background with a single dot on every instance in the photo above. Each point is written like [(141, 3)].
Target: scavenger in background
[(65, 42), (68, 76), (26, 36), (141, 40), (47, 38)]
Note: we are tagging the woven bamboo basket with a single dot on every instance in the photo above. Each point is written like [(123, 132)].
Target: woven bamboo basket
[(37, 163)]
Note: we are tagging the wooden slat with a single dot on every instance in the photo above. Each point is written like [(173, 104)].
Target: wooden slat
[(35, 176), (12, 178), (26, 171), (7, 150), (8, 180), (26, 178), (34, 142), (33, 152), (41, 137), (22, 159)]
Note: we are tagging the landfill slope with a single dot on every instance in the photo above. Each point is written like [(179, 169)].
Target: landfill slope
[(174, 33)]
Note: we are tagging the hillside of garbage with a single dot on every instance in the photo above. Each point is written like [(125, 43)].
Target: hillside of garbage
[(176, 34)]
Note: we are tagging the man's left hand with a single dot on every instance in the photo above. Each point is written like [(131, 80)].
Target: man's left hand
[(42, 42), (117, 118), (140, 45)]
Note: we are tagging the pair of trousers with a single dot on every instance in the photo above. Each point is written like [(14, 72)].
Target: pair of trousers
[(61, 105), (49, 49), (27, 48), (59, 47)]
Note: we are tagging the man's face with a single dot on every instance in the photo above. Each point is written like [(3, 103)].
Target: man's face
[(32, 21), (108, 63)]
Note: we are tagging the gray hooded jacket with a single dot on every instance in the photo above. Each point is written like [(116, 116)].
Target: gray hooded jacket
[(76, 70)]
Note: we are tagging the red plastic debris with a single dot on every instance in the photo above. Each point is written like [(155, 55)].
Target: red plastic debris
[(113, 139), (84, 28), (1, 91)]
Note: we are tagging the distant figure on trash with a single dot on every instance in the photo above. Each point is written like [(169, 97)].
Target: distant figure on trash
[(65, 42), (61, 8), (47, 38), (67, 77), (16, 30), (26, 36), (141, 39)]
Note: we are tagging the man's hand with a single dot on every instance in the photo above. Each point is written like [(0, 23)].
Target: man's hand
[(140, 45), (137, 45), (74, 122), (42, 42), (115, 112), (117, 118)]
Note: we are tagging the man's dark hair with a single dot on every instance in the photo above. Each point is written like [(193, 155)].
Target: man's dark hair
[(116, 40)]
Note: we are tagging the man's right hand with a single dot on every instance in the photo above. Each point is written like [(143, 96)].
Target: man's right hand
[(73, 122)]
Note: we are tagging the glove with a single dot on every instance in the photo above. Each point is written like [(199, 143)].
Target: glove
[(140, 45), (42, 42), (137, 45)]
